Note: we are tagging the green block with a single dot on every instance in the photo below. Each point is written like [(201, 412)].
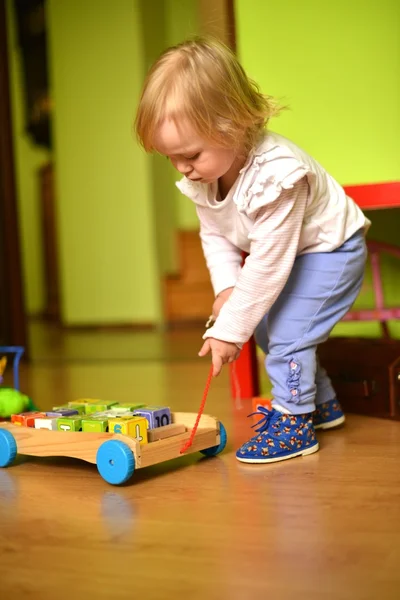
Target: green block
[(77, 404), (95, 425), (126, 406), (69, 423), (101, 407)]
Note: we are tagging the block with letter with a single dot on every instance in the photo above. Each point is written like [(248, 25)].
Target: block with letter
[(46, 423), (26, 419), (135, 427), (73, 423), (157, 416), (94, 424)]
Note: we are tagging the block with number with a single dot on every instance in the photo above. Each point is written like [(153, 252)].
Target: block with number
[(69, 423), (97, 425), (26, 419), (135, 427), (157, 416), (46, 423)]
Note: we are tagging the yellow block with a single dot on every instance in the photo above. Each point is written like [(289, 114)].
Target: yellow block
[(135, 427)]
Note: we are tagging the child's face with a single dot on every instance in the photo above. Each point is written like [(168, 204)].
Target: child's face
[(192, 155)]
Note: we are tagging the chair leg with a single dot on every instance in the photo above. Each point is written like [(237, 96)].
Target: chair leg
[(244, 375), (378, 291)]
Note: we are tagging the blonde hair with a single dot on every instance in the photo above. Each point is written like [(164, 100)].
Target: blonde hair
[(202, 80)]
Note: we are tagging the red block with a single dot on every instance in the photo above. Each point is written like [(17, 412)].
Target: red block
[(26, 419)]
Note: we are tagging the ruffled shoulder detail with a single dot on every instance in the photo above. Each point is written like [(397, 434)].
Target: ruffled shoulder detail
[(194, 190), (268, 171)]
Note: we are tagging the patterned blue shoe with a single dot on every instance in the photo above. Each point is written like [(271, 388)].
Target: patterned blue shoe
[(328, 415), (279, 437)]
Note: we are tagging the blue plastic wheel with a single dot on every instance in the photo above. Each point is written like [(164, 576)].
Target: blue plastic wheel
[(221, 446), (8, 448), (115, 462)]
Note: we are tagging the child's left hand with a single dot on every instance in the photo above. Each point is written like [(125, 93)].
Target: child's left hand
[(221, 352)]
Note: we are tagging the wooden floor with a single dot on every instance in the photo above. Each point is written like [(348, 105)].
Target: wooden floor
[(322, 527)]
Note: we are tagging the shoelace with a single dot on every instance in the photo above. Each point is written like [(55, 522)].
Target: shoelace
[(268, 417)]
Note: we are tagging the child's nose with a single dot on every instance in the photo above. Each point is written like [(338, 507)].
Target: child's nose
[(183, 167)]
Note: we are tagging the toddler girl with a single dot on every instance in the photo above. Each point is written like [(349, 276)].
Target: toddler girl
[(257, 192)]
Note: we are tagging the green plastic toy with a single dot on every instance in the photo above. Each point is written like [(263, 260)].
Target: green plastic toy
[(12, 401)]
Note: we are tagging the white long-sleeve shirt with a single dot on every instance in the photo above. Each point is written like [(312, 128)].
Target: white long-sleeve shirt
[(283, 204)]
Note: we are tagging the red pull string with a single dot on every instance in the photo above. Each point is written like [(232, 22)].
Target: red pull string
[(187, 444)]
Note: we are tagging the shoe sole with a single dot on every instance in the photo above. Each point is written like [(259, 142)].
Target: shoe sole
[(305, 452), (331, 424)]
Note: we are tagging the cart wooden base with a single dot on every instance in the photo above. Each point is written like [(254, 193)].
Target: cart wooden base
[(116, 455)]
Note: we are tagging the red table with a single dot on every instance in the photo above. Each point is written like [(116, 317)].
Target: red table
[(375, 196)]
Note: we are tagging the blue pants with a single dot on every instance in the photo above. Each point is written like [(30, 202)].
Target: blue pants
[(320, 290)]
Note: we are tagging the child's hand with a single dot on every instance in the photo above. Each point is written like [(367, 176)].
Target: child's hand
[(222, 353), (220, 301)]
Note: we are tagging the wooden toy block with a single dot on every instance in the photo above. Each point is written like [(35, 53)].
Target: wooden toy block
[(128, 406), (46, 423), (69, 423), (99, 407), (157, 416), (115, 413), (26, 419), (79, 408), (135, 427), (161, 433), (62, 412), (78, 405), (95, 425)]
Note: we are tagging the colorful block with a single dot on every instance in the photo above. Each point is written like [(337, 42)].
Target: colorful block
[(128, 406), (46, 423), (100, 407), (135, 427), (26, 419), (79, 408), (62, 412), (157, 416), (69, 423), (86, 403), (114, 413), (95, 425), (78, 405)]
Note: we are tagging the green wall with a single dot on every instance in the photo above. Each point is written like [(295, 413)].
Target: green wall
[(337, 66), (182, 21), (175, 20), (28, 159), (109, 268), (118, 209)]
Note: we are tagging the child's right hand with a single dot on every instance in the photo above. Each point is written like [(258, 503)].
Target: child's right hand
[(220, 301)]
